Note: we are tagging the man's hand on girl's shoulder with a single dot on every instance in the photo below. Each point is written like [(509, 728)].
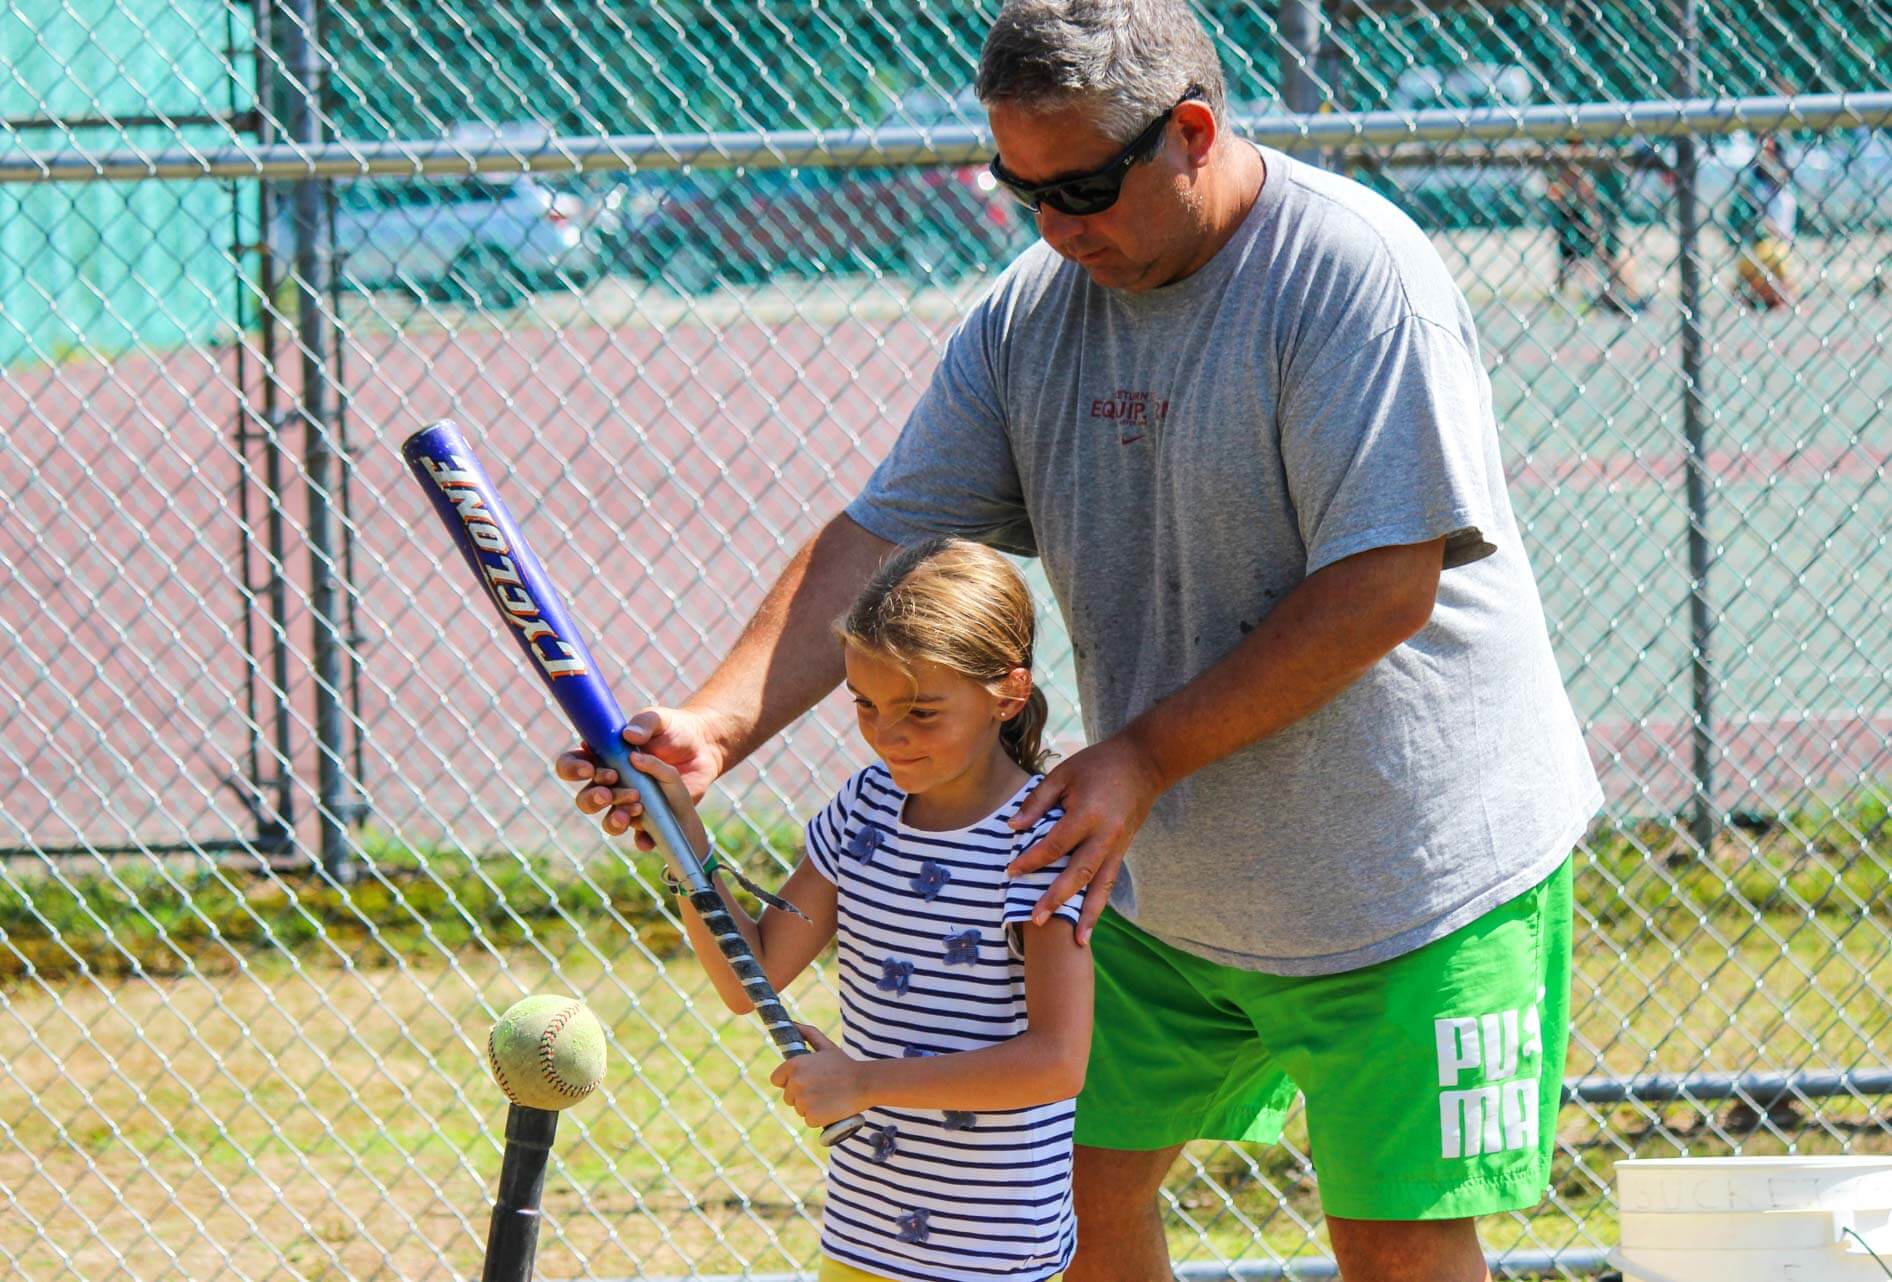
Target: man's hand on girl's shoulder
[(1106, 791)]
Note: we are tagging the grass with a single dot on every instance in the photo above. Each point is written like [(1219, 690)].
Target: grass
[(155, 919), (278, 1077), (148, 918)]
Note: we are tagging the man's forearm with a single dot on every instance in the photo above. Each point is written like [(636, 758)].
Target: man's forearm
[(1319, 640), (786, 659)]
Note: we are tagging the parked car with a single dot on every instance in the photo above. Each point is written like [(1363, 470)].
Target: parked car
[(487, 239), (926, 107), (714, 228), (1491, 187), (702, 230)]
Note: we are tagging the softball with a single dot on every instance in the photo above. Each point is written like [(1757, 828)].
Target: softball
[(547, 1052)]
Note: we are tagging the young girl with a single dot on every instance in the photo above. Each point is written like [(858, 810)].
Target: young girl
[(965, 1028)]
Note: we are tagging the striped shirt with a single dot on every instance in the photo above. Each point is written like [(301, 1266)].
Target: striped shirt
[(929, 962)]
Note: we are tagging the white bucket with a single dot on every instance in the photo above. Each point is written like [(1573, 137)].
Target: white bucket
[(1755, 1219)]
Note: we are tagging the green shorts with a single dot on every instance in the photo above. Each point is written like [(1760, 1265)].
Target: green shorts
[(1432, 1080)]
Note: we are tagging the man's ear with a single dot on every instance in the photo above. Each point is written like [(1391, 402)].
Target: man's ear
[(1195, 122)]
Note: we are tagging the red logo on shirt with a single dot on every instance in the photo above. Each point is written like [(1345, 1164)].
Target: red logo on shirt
[(1135, 414)]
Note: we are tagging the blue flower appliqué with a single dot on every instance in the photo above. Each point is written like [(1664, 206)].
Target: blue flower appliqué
[(931, 881), (957, 1120), (962, 948), (867, 839), (912, 1226), (896, 976), (886, 1139)]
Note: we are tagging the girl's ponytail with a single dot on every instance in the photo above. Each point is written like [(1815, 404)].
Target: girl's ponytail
[(1023, 736)]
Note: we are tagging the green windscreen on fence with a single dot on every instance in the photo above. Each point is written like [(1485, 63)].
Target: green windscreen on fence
[(105, 266), (631, 66)]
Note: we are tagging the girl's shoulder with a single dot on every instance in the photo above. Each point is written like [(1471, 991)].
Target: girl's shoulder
[(872, 794), (859, 816), (1039, 827), (870, 788), (865, 812)]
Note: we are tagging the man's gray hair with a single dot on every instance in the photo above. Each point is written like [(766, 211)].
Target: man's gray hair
[(1127, 61)]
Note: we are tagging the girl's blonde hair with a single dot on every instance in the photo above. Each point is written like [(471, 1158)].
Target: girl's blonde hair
[(964, 607)]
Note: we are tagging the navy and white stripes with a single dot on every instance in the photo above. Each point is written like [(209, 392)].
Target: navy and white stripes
[(929, 965)]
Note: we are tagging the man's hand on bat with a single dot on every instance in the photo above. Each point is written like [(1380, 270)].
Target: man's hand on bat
[(679, 736)]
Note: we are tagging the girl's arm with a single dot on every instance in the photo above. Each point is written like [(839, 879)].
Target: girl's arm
[(1042, 1064), (783, 943)]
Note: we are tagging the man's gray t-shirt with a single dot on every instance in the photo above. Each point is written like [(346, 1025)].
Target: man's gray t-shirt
[(1180, 459)]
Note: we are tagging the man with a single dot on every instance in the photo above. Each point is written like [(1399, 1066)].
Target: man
[(1235, 405)]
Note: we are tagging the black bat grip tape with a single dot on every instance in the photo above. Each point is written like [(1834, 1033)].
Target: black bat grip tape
[(788, 1038)]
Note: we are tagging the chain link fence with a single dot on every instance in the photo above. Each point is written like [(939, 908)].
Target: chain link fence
[(280, 833)]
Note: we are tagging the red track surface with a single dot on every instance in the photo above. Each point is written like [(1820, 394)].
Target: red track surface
[(662, 476)]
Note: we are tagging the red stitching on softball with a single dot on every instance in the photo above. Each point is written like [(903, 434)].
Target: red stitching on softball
[(492, 1058), (547, 1040)]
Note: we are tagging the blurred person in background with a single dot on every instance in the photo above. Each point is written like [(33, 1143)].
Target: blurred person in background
[(1765, 216), (1585, 199)]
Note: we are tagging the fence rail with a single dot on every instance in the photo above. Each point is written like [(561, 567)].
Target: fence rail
[(942, 145)]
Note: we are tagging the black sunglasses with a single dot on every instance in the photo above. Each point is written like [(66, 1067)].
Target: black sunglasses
[(1098, 190)]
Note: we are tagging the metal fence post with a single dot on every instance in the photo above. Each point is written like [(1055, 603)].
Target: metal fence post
[(1300, 23), (1702, 820), (271, 421), (315, 338)]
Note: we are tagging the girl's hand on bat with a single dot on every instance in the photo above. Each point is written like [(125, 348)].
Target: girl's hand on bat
[(823, 1086), (679, 736), (681, 803)]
